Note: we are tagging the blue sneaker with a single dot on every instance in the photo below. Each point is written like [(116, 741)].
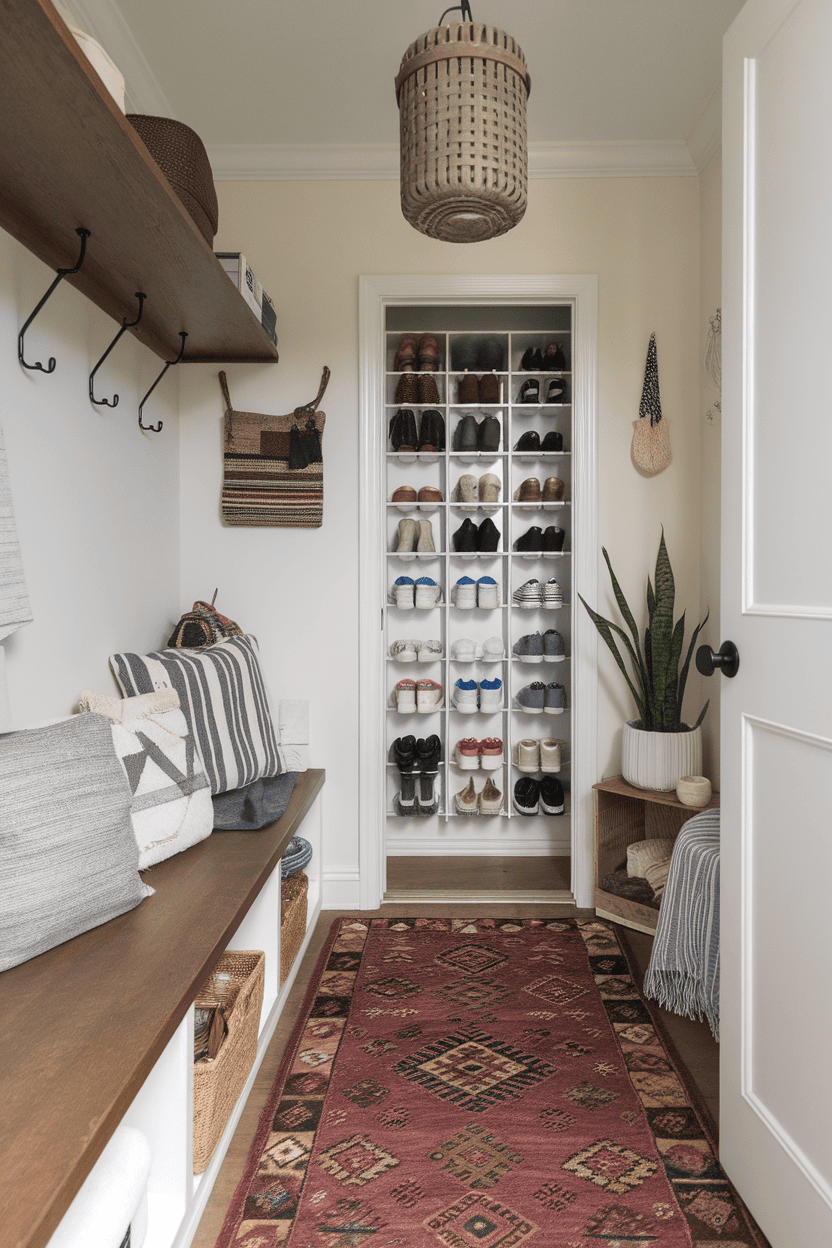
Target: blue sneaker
[(491, 696), (464, 696), (464, 593), (402, 592), (488, 593)]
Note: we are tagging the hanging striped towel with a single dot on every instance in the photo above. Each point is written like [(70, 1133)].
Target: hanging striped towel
[(683, 974), (14, 598)]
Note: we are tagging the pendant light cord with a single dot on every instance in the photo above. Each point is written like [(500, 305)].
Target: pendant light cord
[(464, 8)]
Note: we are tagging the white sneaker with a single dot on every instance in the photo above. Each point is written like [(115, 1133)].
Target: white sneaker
[(488, 593), (493, 650), (491, 696), (525, 755), (402, 593), (466, 753), (464, 593), (428, 696), (405, 695), (428, 651), (427, 593), (463, 650), (464, 696), (552, 595), (549, 754), (404, 651)]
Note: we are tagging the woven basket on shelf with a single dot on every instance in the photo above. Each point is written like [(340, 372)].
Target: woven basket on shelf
[(462, 92), (180, 154), (236, 985), (293, 894)]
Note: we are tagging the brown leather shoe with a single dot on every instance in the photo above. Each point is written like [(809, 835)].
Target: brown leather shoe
[(489, 388), (468, 390), (430, 494), (428, 389), (404, 494), (553, 490), (528, 491)]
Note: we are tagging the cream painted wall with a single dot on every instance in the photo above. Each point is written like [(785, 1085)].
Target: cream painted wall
[(96, 501), (298, 591), (710, 419)]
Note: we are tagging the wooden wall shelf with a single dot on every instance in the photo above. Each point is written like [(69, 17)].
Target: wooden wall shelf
[(69, 158), (82, 1025)]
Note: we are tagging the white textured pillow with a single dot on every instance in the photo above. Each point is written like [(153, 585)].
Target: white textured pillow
[(656, 876), (642, 853), (171, 805)]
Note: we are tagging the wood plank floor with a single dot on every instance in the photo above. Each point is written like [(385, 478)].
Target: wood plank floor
[(693, 1039), (475, 874)]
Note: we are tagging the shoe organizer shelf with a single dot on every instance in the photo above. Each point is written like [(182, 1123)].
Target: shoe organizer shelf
[(69, 158), (490, 523), (99, 1031), (624, 815)]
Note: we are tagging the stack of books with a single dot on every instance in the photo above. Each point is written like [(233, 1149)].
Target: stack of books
[(241, 274)]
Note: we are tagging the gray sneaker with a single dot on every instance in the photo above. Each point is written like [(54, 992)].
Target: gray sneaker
[(555, 700), (532, 698), (529, 649), (553, 648)]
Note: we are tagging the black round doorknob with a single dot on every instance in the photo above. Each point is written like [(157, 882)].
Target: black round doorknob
[(727, 659)]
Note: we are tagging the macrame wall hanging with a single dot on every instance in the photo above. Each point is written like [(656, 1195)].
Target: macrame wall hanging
[(650, 450), (273, 466)]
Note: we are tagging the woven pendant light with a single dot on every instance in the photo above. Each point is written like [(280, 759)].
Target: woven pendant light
[(462, 91)]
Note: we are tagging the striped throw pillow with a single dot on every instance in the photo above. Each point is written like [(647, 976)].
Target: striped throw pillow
[(224, 701)]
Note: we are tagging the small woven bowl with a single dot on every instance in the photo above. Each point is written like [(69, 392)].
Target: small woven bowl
[(693, 790)]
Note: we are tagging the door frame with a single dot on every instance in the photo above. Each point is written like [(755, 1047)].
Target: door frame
[(376, 294)]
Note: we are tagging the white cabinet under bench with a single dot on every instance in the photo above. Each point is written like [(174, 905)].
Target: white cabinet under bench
[(99, 1031)]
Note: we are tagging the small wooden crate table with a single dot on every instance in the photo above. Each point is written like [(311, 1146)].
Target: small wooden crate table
[(624, 814)]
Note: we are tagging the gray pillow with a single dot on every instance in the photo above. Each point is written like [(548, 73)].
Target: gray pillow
[(245, 810), (70, 859)]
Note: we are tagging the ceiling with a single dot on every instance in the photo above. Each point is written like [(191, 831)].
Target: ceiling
[(316, 76)]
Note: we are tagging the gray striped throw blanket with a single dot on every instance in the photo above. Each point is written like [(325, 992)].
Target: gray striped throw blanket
[(683, 974)]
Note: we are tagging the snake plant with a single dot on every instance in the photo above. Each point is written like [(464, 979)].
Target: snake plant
[(657, 685)]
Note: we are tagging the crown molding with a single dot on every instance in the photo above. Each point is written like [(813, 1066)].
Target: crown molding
[(275, 162)]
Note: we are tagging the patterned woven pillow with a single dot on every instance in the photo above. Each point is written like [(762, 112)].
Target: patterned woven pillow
[(224, 701), (641, 853), (171, 807), (70, 860), (657, 876)]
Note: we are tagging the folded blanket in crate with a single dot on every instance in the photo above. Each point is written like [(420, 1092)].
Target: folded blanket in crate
[(683, 974)]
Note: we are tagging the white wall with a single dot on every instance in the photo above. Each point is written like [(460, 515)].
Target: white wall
[(96, 500), (298, 590)]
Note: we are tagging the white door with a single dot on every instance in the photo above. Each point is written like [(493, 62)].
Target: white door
[(776, 993)]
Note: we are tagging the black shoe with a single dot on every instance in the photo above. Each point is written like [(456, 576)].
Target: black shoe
[(404, 753), (403, 433), (431, 431), (488, 536), (531, 540), (527, 796), (532, 361), (463, 355), (466, 434), (553, 441), (428, 755), (557, 390), (553, 538), (488, 434), (465, 538), (554, 361), (529, 391), (552, 801), (529, 441), (491, 354), (404, 756)]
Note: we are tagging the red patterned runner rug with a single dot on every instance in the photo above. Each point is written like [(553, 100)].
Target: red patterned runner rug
[(485, 1083)]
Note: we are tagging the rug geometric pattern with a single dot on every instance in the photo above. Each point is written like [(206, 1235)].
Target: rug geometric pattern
[(457, 1083)]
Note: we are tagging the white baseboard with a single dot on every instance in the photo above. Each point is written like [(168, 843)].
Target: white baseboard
[(339, 890), (418, 847)]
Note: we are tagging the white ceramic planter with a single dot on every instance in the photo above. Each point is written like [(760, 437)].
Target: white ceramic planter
[(656, 760)]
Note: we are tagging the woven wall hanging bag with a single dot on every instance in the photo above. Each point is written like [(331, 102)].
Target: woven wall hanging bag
[(650, 450), (273, 469), (462, 92)]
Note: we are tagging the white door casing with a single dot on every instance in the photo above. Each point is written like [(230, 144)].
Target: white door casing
[(776, 602), (376, 294)]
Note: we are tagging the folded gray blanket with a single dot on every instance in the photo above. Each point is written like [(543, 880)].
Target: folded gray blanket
[(683, 974)]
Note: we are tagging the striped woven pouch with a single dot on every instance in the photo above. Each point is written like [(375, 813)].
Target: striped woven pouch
[(273, 471)]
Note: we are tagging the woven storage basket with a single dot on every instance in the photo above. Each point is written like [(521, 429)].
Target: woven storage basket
[(293, 894), (462, 92), (236, 984), (180, 154)]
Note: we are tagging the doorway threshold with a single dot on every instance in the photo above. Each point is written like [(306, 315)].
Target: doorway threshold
[(486, 896)]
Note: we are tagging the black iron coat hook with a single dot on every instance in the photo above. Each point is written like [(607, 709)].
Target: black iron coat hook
[(125, 324), (169, 364), (62, 273), (464, 8)]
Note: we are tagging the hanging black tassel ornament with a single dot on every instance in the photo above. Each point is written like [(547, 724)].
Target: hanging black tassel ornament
[(298, 443), (312, 442)]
